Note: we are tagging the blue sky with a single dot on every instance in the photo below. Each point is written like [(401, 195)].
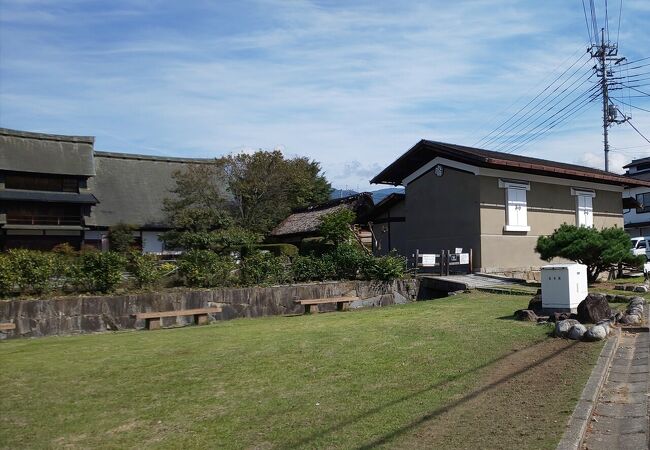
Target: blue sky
[(351, 84)]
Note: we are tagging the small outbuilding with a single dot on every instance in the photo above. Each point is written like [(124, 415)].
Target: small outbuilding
[(497, 204), (304, 223)]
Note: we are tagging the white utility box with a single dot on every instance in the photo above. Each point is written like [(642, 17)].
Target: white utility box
[(564, 286)]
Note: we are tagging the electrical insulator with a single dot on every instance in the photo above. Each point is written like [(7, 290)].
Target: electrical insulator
[(613, 113)]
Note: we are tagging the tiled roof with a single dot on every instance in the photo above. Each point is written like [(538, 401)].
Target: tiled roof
[(425, 151)]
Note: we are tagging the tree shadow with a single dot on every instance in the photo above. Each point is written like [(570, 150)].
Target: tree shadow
[(509, 317), (472, 395), (306, 440)]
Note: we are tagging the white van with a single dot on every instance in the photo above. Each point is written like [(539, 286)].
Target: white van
[(641, 246)]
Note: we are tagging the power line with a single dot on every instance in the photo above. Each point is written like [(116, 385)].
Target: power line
[(510, 139), (635, 89), (497, 116), (618, 31), (574, 112), (633, 62), (539, 110), (500, 131), (637, 130), (584, 9), (607, 20), (524, 137), (633, 106), (486, 139)]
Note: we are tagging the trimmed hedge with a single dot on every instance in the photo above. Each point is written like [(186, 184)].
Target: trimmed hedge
[(261, 268), (34, 272), (288, 250), (205, 268)]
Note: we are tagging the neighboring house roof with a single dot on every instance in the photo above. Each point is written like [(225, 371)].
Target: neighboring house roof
[(387, 203), (425, 151), (23, 151), (45, 196), (308, 220), (131, 188), (636, 162)]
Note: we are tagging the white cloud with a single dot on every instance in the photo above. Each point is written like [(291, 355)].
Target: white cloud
[(351, 85)]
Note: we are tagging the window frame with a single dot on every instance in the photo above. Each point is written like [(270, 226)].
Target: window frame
[(646, 206), (513, 189), (587, 195)]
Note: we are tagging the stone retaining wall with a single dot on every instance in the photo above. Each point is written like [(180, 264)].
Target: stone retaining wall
[(85, 314)]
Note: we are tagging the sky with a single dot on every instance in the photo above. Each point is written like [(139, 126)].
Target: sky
[(350, 84)]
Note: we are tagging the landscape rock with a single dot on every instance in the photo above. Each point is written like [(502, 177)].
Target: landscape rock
[(622, 298), (577, 331), (640, 289), (619, 287), (526, 315), (596, 333), (629, 288), (562, 327), (557, 316), (535, 303), (637, 301), (593, 309), (607, 325), (619, 316), (631, 319), (638, 310)]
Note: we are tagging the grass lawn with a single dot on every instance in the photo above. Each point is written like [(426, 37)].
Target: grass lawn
[(448, 373)]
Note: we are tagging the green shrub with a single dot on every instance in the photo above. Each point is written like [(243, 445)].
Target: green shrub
[(315, 246), (336, 227), (64, 249), (262, 268), (34, 271), (229, 239), (145, 269), (8, 279), (288, 250), (98, 271), (121, 238), (348, 260), (311, 268), (384, 268), (205, 268)]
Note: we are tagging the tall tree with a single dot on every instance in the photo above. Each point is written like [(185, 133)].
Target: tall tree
[(265, 187), (200, 201)]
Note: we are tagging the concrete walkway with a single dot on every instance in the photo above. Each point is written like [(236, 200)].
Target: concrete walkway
[(620, 418)]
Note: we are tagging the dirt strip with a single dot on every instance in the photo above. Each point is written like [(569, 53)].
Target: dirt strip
[(523, 401)]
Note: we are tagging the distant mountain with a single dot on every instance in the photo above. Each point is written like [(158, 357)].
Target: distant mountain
[(340, 193), (377, 195), (380, 194)]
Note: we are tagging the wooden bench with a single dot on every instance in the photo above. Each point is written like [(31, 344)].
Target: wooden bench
[(153, 318), (340, 302), (7, 326)]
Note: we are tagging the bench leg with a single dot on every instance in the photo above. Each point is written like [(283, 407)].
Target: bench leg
[(307, 309), (201, 319), (339, 306), (153, 324)]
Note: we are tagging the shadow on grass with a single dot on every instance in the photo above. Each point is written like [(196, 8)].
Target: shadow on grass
[(306, 440), (509, 317), (437, 412)]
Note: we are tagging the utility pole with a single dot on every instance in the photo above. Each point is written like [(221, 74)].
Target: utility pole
[(604, 54), (605, 92)]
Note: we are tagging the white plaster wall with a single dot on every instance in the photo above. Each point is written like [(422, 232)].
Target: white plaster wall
[(151, 242)]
